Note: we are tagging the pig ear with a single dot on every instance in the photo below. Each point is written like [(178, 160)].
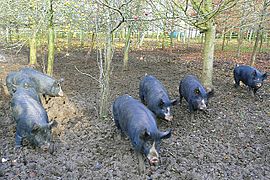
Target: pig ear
[(166, 134), (264, 76), (145, 134), (254, 73), (210, 93), (35, 128), (52, 124), (175, 101), (197, 91), (61, 80)]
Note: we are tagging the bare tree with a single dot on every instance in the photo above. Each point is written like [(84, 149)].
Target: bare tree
[(50, 39), (201, 15), (263, 13)]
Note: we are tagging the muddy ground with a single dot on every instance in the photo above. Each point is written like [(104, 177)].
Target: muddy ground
[(232, 141)]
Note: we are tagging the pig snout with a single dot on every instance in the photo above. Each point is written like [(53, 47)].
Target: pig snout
[(167, 114), (48, 147), (154, 161), (168, 117), (61, 93), (153, 156), (202, 105), (45, 147), (258, 85)]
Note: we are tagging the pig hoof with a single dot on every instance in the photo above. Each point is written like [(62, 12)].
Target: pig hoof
[(51, 149)]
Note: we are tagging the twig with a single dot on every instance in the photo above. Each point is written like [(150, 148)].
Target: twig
[(87, 74)]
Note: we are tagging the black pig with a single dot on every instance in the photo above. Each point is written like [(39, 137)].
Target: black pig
[(250, 76), (194, 93), (138, 122), (45, 84), (156, 97), (32, 119), (18, 79)]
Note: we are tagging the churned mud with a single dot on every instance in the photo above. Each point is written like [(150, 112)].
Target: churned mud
[(231, 141)]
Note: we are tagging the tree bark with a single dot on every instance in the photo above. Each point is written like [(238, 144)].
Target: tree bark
[(258, 33), (142, 39), (33, 48), (240, 42), (69, 38), (223, 39), (127, 46), (189, 36), (50, 41), (93, 36), (261, 41), (267, 39), (105, 72), (164, 35), (81, 38), (254, 51), (250, 35), (8, 39), (208, 55)]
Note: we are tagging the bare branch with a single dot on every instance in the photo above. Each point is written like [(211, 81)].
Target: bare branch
[(117, 10), (87, 74)]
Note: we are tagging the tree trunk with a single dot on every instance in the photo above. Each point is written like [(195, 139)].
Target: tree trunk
[(33, 48), (250, 35), (179, 36), (240, 42), (158, 34), (261, 41), (267, 39), (230, 37), (254, 51), (81, 38), (202, 38), (93, 36), (208, 55), (33, 36), (189, 36), (142, 39), (185, 36), (8, 38), (105, 72), (138, 38), (258, 33), (17, 33), (69, 37), (50, 41), (127, 46), (223, 39)]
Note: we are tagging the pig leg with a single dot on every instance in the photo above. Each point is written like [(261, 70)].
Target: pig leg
[(51, 148), (141, 163), (116, 119), (192, 112), (119, 136), (180, 100), (237, 82), (254, 91), (18, 141), (192, 116)]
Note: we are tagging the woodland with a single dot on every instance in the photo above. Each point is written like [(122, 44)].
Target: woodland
[(103, 49)]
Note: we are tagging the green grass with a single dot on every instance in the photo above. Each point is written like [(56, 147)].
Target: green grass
[(149, 42), (246, 47)]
